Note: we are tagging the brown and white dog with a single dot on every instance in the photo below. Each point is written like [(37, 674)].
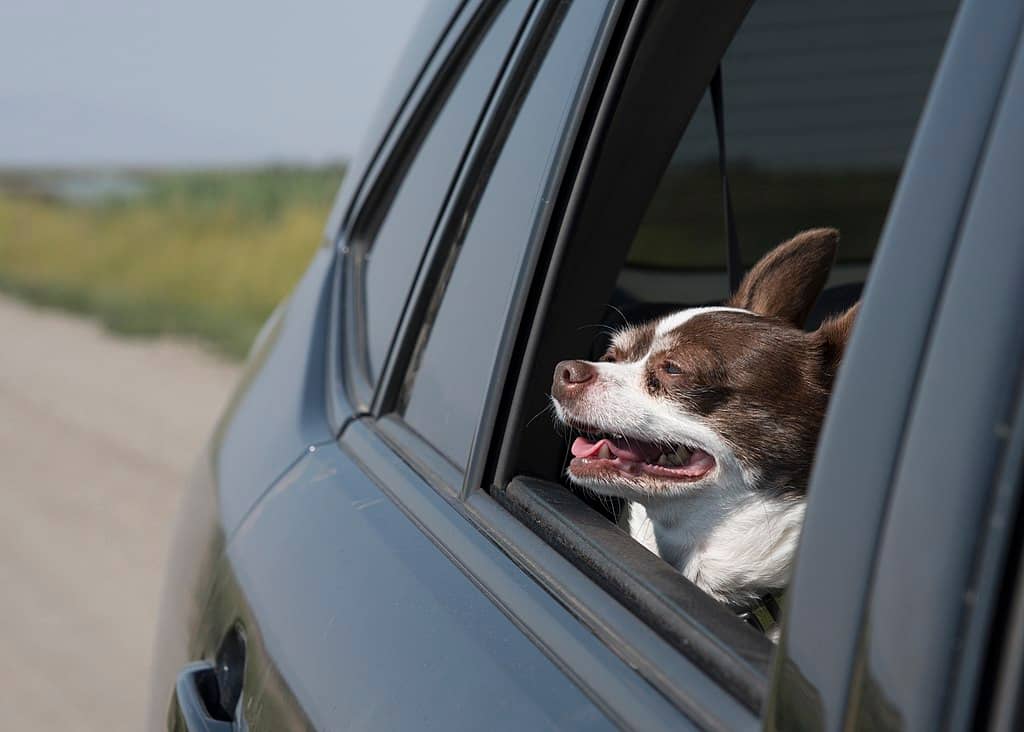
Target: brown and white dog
[(706, 421)]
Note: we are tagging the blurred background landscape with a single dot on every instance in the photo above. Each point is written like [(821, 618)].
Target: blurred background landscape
[(198, 253), (166, 170)]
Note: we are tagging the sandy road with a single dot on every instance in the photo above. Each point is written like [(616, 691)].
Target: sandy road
[(97, 435)]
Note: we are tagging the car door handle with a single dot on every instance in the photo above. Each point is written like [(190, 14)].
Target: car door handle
[(195, 707)]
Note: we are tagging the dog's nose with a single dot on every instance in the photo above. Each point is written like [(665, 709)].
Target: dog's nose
[(574, 372), (570, 376)]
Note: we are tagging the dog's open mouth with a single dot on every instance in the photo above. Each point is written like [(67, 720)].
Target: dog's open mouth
[(634, 457)]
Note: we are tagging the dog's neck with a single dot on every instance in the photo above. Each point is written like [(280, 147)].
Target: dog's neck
[(735, 545)]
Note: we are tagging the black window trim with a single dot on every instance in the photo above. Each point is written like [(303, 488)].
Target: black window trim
[(438, 81), (728, 650), (987, 682), (990, 697)]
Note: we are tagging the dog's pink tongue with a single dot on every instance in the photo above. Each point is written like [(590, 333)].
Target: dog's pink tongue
[(584, 448)]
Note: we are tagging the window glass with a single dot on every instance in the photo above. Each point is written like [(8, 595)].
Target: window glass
[(399, 242), (452, 371), (821, 102)]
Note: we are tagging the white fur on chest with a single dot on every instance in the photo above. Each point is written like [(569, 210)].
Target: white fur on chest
[(734, 547)]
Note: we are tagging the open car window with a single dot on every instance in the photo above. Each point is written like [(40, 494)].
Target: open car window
[(821, 103)]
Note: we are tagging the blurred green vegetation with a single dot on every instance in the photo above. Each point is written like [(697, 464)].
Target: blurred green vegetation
[(197, 253), (210, 253), (684, 225)]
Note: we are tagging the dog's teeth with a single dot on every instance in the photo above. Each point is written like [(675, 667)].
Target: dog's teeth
[(604, 453), (663, 459), (682, 454)]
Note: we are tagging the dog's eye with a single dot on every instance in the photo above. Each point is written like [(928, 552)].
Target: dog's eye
[(672, 369), (608, 358)]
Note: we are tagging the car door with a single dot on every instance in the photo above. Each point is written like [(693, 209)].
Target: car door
[(278, 409), (356, 593)]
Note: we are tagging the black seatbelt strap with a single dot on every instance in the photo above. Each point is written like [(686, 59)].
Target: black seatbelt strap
[(735, 261)]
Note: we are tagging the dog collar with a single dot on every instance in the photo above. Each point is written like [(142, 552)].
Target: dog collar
[(765, 613)]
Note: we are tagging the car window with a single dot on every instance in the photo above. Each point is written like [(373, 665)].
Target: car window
[(451, 371), (821, 102), (397, 237)]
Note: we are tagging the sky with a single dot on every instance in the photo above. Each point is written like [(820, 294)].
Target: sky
[(193, 82)]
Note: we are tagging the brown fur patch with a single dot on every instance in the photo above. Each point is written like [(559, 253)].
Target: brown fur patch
[(631, 344), (787, 280), (759, 382), (833, 336)]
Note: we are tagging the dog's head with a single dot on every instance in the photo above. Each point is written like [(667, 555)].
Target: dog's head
[(727, 397)]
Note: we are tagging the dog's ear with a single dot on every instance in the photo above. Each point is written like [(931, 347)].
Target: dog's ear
[(832, 336), (789, 278)]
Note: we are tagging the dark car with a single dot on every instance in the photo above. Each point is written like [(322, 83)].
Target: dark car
[(380, 535)]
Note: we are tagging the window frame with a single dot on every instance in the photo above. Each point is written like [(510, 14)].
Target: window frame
[(473, 176), (560, 515), (471, 182), (694, 623), (677, 49), (350, 379)]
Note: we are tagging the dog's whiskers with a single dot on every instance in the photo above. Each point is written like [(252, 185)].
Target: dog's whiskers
[(549, 407), (622, 315)]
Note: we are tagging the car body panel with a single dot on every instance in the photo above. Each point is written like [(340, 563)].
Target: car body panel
[(516, 568), (197, 544), (279, 408), (874, 389), (354, 619), (277, 412), (953, 448)]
